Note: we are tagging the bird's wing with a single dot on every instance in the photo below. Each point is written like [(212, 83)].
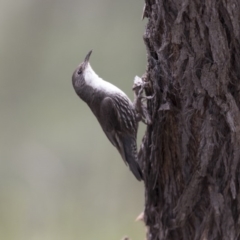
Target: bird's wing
[(119, 127), (108, 112), (111, 123)]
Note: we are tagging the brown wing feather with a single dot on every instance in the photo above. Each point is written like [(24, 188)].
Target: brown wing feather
[(120, 128)]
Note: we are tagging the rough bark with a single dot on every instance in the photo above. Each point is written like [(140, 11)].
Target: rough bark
[(191, 152)]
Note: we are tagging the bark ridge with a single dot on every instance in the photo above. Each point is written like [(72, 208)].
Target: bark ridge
[(191, 152)]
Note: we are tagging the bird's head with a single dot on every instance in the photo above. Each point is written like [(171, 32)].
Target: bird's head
[(79, 75)]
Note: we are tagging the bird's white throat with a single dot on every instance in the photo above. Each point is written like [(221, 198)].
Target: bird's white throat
[(93, 80)]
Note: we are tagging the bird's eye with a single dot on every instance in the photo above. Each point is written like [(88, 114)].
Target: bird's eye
[(79, 71)]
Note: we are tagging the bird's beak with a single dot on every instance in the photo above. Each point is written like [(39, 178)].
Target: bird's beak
[(88, 56), (86, 60)]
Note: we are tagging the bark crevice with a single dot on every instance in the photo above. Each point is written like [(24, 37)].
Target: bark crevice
[(191, 153)]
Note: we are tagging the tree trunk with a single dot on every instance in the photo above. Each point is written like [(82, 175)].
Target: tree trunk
[(191, 152)]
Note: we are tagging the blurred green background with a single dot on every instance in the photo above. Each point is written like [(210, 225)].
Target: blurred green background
[(60, 178)]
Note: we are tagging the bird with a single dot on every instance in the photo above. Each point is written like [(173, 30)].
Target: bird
[(113, 109)]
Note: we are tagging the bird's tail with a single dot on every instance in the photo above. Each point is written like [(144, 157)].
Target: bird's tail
[(130, 156)]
